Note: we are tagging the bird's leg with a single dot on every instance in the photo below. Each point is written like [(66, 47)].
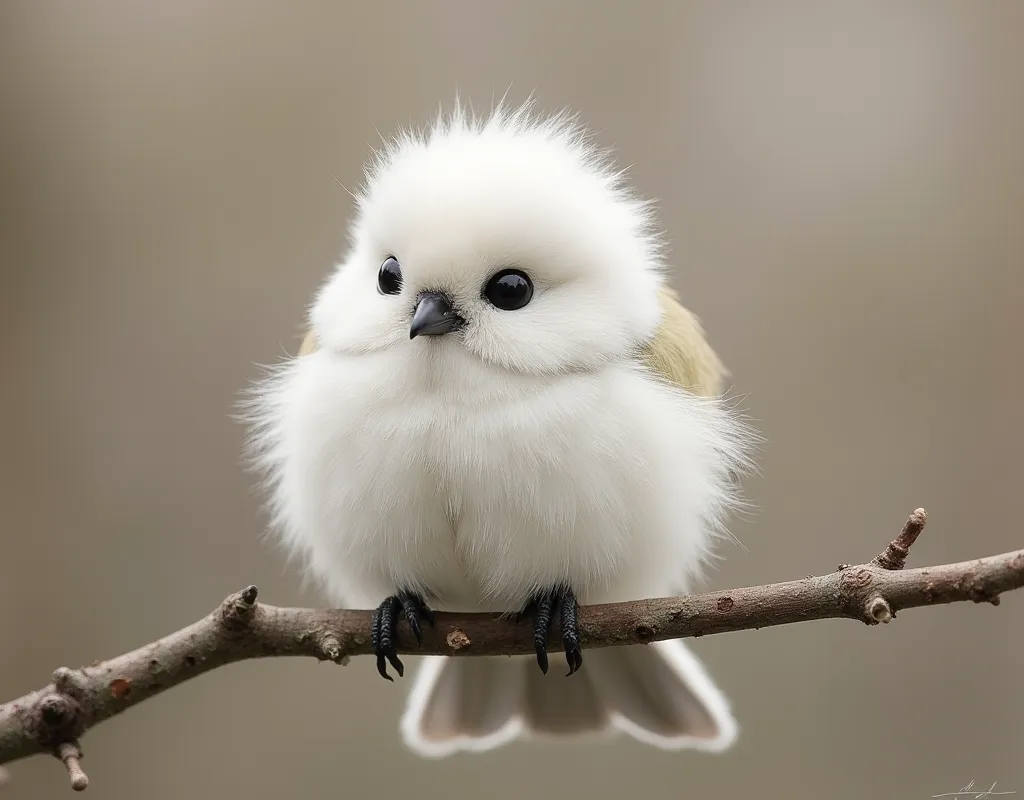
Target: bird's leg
[(542, 607), (385, 622)]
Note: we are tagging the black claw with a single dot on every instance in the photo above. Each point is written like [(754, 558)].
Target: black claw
[(414, 623), (415, 610), (424, 610), (382, 637), (385, 621), (569, 610), (396, 663), (375, 643), (542, 608)]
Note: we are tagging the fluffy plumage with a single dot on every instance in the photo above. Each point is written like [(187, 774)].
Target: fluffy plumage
[(579, 440)]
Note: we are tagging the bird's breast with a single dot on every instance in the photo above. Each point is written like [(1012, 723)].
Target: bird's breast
[(478, 499)]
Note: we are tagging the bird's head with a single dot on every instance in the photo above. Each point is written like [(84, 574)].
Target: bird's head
[(510, 237)]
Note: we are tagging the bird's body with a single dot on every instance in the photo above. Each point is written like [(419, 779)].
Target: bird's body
[(476, 492), (575, 443)]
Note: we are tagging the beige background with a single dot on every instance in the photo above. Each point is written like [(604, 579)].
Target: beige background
[(843, 184)]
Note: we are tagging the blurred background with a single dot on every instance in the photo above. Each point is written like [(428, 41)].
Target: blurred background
[(843, 188)]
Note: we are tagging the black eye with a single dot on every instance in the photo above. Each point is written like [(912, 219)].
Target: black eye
[(509, 290), (389, 279)]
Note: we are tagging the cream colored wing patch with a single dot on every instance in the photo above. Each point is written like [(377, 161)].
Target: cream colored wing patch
[(680, 352), (308, 344)]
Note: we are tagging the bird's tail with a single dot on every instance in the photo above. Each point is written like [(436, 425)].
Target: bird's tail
[(659, 694)]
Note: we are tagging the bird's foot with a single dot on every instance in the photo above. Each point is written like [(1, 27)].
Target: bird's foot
[(385, 622), (543, 607)]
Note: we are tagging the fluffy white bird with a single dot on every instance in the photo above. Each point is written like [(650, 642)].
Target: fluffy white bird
[(501, 407)]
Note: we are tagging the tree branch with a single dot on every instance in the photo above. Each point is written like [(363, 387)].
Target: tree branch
[(52, 719)]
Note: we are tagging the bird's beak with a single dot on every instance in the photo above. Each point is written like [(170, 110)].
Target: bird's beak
[(434, 316)]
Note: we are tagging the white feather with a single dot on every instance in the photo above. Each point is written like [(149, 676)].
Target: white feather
[(527, 450)]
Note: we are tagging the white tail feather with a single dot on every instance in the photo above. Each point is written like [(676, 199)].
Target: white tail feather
[(659, 694)]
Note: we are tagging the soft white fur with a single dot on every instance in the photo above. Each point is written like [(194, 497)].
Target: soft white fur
[(529, 448)]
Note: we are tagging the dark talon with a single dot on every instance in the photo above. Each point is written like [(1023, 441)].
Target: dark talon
[(385, 621), (569, 610), (543, 607), (425, 612), (541, 623), (414, 623), (415, 610), (375, 642), (382, 637)]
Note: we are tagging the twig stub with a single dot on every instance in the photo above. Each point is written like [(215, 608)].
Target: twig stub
[(71, 755), (895, 554)]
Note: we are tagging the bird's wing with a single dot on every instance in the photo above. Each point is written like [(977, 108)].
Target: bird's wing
[(308, 343), (680, 352)]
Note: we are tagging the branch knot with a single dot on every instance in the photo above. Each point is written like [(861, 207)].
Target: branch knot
[(879, 610), (59, 718), (69, 682), (238, 610), (331, 649)]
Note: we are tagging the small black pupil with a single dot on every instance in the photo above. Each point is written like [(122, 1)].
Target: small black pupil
[(390, 277)]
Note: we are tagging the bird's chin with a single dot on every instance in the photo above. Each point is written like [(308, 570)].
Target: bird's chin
[(461, 365), (440, 352), (448, 343)]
